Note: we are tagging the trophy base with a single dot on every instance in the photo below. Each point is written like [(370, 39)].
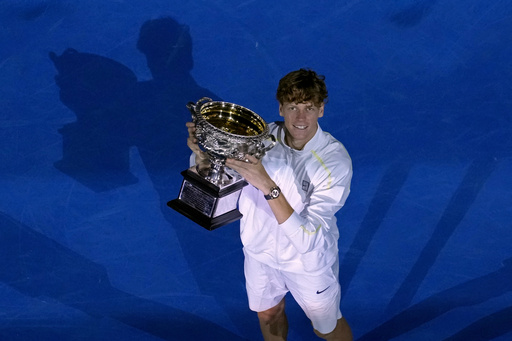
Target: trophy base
[(209, 205), (209, 223)]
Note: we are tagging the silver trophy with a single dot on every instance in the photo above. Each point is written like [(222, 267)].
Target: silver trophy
[(209, 192)]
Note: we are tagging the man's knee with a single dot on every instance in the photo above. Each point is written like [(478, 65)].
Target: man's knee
[(341, 332), (273, 314)]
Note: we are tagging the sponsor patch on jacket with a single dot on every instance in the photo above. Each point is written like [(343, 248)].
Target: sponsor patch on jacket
[(305, 185)]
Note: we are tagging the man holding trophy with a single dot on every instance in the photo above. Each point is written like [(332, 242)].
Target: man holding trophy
[(288, 227)]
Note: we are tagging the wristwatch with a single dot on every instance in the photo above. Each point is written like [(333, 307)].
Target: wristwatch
[(274, 193)]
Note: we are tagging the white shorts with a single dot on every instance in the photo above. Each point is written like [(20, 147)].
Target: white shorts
[(319, 296)]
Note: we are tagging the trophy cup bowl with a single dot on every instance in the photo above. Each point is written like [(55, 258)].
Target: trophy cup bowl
[(209, 192)]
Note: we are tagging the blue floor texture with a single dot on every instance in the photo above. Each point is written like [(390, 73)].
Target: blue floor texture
[(93, 141)]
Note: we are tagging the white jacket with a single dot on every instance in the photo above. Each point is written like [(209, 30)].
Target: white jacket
[(316, 183)]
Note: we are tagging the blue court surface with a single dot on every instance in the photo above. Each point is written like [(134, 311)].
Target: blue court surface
[(93, 143)]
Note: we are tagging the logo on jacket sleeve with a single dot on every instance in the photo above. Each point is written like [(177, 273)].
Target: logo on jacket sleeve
[(305, 185)]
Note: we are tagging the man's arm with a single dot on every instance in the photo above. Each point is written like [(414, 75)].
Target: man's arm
[(254, 173), (309, 229)]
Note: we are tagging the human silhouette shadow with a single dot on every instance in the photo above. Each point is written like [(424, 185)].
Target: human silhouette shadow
[(95, 147), (37, 266), (115, 111), (470, 293), (149, 115), (158, 108)]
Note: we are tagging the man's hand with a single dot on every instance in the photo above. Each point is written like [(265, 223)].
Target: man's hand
[(253, 171)]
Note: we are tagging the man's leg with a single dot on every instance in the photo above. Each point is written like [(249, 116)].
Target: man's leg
[(273, 323), (341, 332)]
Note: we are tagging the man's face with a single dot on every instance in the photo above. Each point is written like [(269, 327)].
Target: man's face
[(301, 122)]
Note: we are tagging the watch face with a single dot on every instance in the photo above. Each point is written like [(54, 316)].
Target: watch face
[(274, 193)]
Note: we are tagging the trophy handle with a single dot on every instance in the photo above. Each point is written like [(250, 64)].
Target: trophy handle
[(194, 109), (192, 106), (261, 152), (272, 139)]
